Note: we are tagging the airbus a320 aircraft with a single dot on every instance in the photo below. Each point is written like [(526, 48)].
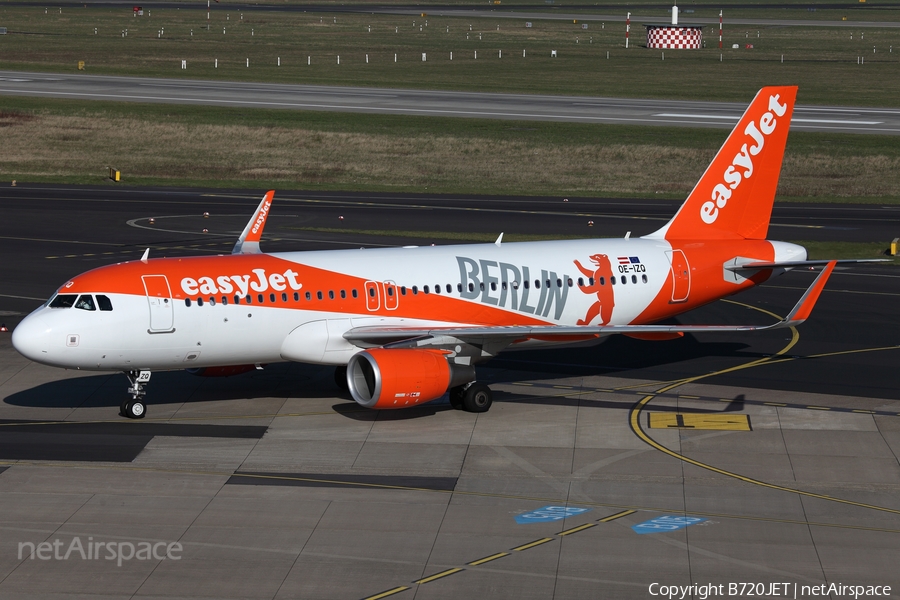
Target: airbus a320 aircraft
[(404, 326)]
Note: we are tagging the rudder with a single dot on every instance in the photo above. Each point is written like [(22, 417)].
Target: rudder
[(734, 197)]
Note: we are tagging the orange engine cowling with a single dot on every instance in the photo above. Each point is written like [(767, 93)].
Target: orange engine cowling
[(400, 378), (221, 371)]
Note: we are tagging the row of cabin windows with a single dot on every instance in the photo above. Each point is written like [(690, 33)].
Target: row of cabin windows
[(84, 302), (273, 298)]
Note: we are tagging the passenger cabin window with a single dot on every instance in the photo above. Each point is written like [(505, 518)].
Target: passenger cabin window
[(63, 301), (308, 296), (296, 296), (354, 294), (331, 294), (103, 303), (283, 297), (237, 299), (187, 302), (85, 302), (344, 293), (319, 295), (212, 301), (199, 301), (644, 278)]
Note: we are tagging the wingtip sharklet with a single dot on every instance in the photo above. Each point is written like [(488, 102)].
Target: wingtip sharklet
[(806, 303), (248, 243)]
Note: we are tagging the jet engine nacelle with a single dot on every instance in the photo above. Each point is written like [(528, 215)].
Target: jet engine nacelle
[(399, 378), (221, 371)]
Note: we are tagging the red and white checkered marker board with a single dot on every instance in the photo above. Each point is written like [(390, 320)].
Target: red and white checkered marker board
[(675, 38)]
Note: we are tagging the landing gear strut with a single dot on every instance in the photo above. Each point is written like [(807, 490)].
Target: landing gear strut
[(340, 378), (472, 397), (135, 408)]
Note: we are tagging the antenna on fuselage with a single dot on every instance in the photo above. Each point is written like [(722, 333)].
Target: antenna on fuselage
[(248, 243), (499, 239), (146, 255)]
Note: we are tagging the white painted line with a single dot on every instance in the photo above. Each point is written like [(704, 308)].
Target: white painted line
[(830, 121)]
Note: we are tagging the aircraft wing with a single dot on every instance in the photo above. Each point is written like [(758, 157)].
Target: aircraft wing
[(380, 336), (800, 263), (248, 243)]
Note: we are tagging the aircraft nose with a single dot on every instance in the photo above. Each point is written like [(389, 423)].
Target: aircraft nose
[(32, 338)]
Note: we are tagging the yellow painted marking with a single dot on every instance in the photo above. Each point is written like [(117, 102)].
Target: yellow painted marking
[(818, 407), (618, 515), (51, 257), (486, 559), (563, 387), (521, 383), (690, 397), (439, 575), (532, 544), (70, 256), (89, 255), (724, 399), (635, 422), (693, 421), (868, 412), (774, 404), (576, 529), (396, 590)]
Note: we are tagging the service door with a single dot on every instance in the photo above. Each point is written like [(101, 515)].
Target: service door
[(681, 276), (159, 297)]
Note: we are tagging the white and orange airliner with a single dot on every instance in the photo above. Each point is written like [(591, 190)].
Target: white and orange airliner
[(407, 325)]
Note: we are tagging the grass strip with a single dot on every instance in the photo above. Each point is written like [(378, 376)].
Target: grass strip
[(69, 141)]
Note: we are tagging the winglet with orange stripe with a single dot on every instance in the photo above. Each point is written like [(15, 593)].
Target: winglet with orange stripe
[(805, 305), (248, 243)]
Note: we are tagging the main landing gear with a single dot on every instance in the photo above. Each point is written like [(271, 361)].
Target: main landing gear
[(472, 397), (135, 408)]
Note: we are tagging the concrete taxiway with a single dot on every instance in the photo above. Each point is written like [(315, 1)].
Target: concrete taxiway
[(578, 109), (768, 458)]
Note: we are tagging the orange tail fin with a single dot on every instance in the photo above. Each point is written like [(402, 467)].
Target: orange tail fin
[(734, 197)]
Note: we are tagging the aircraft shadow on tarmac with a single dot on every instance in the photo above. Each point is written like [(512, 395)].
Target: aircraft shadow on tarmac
[(291, 380)]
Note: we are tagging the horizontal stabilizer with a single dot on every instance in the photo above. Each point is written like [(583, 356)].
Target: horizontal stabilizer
[(248, 243)]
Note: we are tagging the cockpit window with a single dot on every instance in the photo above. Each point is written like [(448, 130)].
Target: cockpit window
[(63, 301), (85, 302), (103, 302)]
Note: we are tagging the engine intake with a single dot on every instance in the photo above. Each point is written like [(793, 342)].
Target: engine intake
[(399, 378)]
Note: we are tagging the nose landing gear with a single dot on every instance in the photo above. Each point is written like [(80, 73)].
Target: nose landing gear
[(135, 408)]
